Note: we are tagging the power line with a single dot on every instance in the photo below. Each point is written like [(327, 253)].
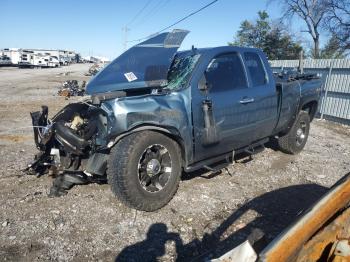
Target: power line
[(177, 22), (160, 4), (139, 12), (193, 13), (126, 28)]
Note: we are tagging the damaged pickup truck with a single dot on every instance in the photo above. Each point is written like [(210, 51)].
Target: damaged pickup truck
[(155, 112)]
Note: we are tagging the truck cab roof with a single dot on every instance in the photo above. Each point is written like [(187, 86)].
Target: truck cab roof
[(146, 65), (221, 49)]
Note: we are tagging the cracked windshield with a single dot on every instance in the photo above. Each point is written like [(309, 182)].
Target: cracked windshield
[(180, 71)]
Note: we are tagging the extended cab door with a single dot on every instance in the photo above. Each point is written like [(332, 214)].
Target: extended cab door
[(239, 106), (264, 109), (222, 115)]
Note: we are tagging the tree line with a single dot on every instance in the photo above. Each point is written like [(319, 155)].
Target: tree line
[(331, 17)]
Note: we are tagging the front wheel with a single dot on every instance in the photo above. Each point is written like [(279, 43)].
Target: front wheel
[(294, 141), (144, 170)]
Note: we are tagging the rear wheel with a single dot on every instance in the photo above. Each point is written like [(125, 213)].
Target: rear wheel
[(144, 170), (294, 141)]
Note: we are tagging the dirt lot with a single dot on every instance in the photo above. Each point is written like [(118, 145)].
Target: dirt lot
[(210, 214)]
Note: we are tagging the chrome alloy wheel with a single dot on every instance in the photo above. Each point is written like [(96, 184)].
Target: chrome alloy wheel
[(300, 134), (154, 168)]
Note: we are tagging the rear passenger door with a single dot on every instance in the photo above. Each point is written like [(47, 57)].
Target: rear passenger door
[(262, 90)]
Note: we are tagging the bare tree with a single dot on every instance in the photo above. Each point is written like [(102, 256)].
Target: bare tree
[(312, 12), (338, 21)]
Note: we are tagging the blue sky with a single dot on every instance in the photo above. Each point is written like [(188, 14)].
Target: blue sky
[(95, 27)]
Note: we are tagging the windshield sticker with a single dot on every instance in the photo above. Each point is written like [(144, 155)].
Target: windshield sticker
[(130, 76)]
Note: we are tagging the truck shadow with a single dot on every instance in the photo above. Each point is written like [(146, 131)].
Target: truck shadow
[(275, 211)]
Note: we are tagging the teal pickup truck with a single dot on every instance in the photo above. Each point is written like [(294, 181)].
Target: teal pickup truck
[(154, 113)]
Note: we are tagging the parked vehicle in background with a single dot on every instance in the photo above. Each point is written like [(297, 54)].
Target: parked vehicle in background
[(39, 57), (53, 61), (29, 59), (32, 60), (155, 112), (5, 61), (13, 53), (63, 61)]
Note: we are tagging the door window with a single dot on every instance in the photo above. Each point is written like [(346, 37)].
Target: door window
[(255, 68), (225, 72)]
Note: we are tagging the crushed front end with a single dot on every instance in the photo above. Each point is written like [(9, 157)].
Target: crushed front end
[(128, 93), (72, 145)]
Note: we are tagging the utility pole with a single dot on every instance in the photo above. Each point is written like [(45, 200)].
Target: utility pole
[(126, 30), (301, 62)]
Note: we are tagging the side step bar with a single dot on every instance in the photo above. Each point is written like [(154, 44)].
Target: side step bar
[(212, 163), (228, 160), (254, 150), (216, 168), (208, 162)]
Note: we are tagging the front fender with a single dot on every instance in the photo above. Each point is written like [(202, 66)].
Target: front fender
[(166, 113), (116, 139)]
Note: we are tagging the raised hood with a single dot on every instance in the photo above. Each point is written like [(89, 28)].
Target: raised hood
[(144, 65)]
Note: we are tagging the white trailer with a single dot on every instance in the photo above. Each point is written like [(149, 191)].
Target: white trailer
[(5, 61), (63, 56), (13, 53), (29, 59), (38, 57), (53, 61)]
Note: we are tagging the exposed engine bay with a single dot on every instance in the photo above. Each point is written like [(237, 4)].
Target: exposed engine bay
[(75, 144), (72, 145)]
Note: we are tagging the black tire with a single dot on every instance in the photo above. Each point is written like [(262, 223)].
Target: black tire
[(124, 167), (294, 141)]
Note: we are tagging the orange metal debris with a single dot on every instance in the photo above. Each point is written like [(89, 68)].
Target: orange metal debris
[(322, 245), (292, 242)]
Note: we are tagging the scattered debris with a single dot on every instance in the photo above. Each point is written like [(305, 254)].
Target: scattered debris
[(71, 88), (64, 73), (65, 182), (94, 69), (240, 226), (189, 220), (243, 252)]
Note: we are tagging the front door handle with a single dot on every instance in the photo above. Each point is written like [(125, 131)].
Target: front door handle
[(246, 100)]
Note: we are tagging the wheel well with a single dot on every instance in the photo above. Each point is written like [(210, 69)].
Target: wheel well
[(181, 144), (162, 131), (311, 108)]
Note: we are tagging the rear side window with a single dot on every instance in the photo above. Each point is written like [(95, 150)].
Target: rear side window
[(255, 68), (225, 72)]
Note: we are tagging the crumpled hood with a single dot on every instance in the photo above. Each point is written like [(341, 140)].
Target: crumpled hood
[(144, 65)]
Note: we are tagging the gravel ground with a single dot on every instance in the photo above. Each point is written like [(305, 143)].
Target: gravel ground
[(210, 214)]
